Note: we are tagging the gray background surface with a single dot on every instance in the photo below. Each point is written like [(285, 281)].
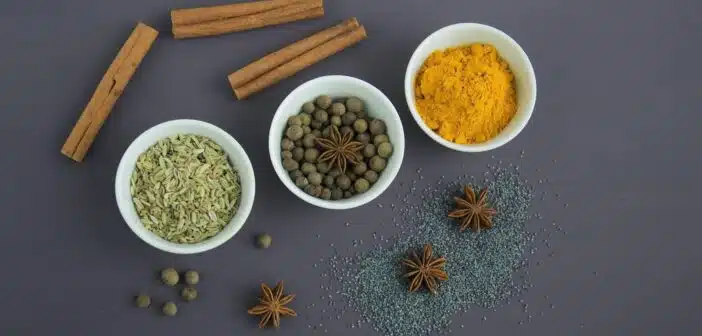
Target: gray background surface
[(615, 134)]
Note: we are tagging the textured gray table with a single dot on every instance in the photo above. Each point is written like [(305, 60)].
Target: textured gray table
[(615, 132)]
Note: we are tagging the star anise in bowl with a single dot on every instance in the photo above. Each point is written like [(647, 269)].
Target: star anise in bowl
[(339, 149), (426, 271), (474, 213), (272, 305)]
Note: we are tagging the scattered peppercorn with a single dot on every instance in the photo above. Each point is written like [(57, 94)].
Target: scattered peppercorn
[(188, 293), (192, 277), (142, 301), (170, 276), (170, 309), (263, 240)]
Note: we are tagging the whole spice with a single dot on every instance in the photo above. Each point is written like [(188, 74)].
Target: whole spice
[(264, 240), (185, 189), (486, 271), (318, 168), (188, 293), (212, 13), (222, 23), (354, 105), (169, 309), (108, 91), (426, 270), (338, 150), (473, 212), (142, 301), (301, 62), (280, 57), (466, 94), (170, 276), (192, 277), (272, 305)]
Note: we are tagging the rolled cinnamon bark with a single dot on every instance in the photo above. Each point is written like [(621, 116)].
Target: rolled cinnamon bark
[(108, 91), (180, 17), (294, 12), (275, 59), (301, 62)]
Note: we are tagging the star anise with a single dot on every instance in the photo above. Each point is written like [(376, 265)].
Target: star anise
[(425, 271), (272, 305), (339, 149), (473, 212)]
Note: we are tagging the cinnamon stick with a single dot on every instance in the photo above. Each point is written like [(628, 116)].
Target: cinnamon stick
[(180, 17), (108, 91), (273, 60), (303, 10), (301, 62)]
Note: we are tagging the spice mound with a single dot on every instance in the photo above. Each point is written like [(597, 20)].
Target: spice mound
[(333, 149), (184, 189), (466, 94)]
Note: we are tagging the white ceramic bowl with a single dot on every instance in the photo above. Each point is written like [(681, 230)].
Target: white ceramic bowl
[(509, 50), (377, 105), (237, 156)]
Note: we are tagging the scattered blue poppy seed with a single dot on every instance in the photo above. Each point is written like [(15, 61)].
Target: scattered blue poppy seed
[(485, 269)]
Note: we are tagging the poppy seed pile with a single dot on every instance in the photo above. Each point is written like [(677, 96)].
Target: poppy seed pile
[(484, 269)]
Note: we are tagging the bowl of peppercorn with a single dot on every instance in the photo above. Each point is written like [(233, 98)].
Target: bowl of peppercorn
[(336, 142)]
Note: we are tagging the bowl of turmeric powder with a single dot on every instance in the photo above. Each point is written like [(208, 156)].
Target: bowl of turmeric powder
[(470, 87)]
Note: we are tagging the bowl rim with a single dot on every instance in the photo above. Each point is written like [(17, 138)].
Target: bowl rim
[(124, 169), (358, 200), (490, 144)]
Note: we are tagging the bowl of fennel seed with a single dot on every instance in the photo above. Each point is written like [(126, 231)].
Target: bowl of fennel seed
[(185, 186)]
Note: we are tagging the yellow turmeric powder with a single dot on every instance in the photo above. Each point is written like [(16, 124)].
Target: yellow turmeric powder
[(466, 94)]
